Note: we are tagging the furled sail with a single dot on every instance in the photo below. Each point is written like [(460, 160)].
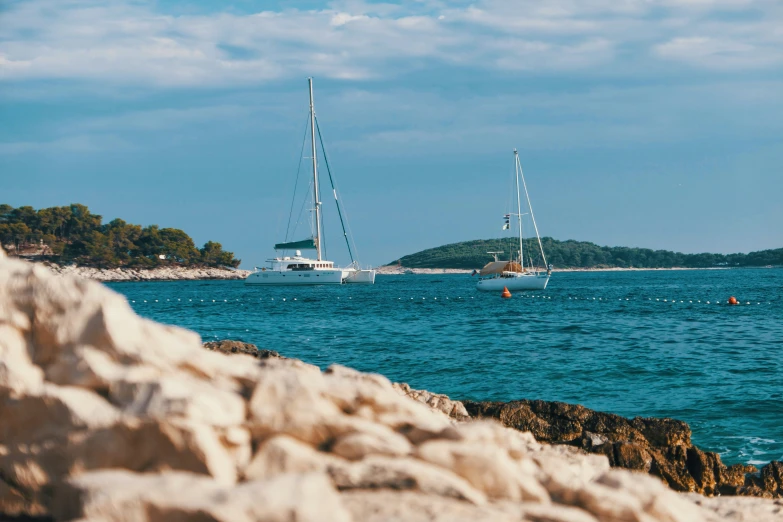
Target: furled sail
[(498, 267), (305, 244)]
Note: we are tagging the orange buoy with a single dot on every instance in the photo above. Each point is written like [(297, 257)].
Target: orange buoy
[(733, 300), (506, 294)]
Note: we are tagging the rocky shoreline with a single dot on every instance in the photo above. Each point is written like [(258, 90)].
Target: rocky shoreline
[(658, 446), (192, 274), (153, 274), (108, 416)]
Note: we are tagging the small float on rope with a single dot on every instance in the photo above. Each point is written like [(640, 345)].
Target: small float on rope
[(733, 300)]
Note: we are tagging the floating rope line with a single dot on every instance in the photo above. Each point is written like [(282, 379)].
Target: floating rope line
[(241, 301)]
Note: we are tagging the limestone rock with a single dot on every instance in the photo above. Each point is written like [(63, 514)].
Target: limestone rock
[(404, 474), (555, 513), (487, 468), (454, 409), (770, 479), (739, 509), (179, 396), (146, 274), (107, 416), (287, 401), (18, 374), (231, 347), (357, 445), (414, 506), (282, 454), (53, 413), (123, 496), (661, 447)]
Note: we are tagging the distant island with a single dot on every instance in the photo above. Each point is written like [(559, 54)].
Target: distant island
[(74, 235), (580, 254)]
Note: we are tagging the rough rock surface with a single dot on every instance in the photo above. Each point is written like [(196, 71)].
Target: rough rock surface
[(661, 447), (454, 409), (740, 509), (154, 274), (110, 417), (229, 347)]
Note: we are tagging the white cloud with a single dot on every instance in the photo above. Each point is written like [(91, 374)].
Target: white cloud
[(344, 18), (133, 44), (719, 53)]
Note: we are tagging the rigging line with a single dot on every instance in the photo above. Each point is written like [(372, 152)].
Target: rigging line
[(322, 237), (348, 226), (296, 184), (334, 190), (510, 209), (347, 221), (301, 211), (532, 216)]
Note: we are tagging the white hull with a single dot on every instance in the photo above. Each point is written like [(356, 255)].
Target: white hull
[(517, 282), (298, 270), (295, 278), (361, 277)]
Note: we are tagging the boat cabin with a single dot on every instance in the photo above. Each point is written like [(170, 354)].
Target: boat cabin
[(495, 269), (298, 263)]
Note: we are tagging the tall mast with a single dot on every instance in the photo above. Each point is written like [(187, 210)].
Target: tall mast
[(315, 175), (519, 207)]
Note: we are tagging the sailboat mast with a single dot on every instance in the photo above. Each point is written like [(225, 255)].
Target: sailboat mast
[(519, 207), (315, 174)]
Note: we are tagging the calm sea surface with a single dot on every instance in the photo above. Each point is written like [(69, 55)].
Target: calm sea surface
[(632, 343)]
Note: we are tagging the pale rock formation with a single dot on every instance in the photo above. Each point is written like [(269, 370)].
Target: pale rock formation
[(143, 274), (436, 401), (124, 496), (739, 509), (107, 416)]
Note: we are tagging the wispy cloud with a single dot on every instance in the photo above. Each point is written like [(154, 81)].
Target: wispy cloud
[(133, 43), (720, 53), (78, 144)]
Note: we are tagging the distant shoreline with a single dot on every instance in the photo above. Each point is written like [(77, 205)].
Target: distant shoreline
[(111, 275)]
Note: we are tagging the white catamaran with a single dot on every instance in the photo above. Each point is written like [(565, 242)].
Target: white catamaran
[(299, 270), (514, 274)]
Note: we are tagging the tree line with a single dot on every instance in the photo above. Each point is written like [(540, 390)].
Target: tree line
[(580, 254), (72, 234)]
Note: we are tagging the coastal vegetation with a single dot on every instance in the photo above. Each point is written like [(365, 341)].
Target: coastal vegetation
[(73, 234), (581, 254)]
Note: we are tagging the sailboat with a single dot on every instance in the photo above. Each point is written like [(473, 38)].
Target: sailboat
[(297, 269), (514, 274)]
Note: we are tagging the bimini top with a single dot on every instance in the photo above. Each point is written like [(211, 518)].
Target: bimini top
[(305, 244), (498, 267)]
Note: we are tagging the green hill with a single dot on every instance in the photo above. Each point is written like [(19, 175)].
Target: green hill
[(73, 234), (580, 254)]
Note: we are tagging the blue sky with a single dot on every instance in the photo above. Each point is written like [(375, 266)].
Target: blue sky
[(639, 122)]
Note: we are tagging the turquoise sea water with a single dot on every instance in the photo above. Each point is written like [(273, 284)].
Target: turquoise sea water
[(632, 343)]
